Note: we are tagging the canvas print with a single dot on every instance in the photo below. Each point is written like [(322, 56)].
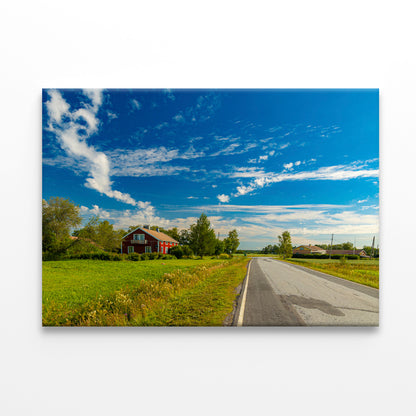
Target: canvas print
[(210, 207)]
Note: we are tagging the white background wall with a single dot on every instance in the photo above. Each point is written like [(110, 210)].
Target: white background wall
[(287, 371)]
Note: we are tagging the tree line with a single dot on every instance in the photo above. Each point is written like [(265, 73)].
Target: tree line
[(60, 216), (284, 246)]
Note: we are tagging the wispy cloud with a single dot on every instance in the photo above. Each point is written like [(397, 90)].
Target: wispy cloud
[(327, 173), (72, 129), (135, 104), (151, 161)]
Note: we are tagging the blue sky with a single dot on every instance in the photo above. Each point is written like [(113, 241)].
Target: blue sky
[(260, 161)]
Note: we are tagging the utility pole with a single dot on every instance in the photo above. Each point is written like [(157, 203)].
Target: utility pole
[(354, 246), (372, 247), (332, 240)]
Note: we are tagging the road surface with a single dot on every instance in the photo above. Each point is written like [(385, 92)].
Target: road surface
[(276, 293)]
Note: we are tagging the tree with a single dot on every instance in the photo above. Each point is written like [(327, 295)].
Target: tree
[(285, 245), (231, 242), (59, 215), (219, 247), (202, 237), (173, 232), (184, 238), (187, 251), (101, 233), (347, 246)]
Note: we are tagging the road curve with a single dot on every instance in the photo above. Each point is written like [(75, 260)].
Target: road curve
[(282, 294)]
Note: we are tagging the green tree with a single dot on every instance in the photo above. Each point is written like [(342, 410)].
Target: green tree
[(89, 231), (219, 247), (187, 251), (231, 242), (202, 237), (173, 232), (59, 215), (347, 246), (107, 237), (184, 238), (285, 245), (102, 233)]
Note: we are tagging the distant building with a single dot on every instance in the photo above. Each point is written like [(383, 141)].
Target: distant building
[(144, 240), (318, 250), (309, 250)]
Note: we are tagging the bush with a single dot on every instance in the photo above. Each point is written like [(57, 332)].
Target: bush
[(116, 257), (144, 257), (176, 251), (133, 256), (187, 251), (153, 256), (224, 256), (168, 257), (343, 260)]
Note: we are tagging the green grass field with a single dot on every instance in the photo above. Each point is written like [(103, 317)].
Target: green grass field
[(156, 292), (365, 272)]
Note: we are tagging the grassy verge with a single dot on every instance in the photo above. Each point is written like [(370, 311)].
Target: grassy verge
[(99, 293), (365, 272)]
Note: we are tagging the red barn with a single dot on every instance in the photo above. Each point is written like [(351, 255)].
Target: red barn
[(144, 240)]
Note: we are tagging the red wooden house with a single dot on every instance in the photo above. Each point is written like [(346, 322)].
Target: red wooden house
[(144, 240)]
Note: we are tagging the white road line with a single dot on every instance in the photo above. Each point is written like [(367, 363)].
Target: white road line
[(243, 300)]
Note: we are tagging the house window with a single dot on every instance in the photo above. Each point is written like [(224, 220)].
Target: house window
[(139, 237), (130, 249), (148, 249)]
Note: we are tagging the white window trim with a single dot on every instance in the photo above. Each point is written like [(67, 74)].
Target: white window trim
[(138, 237), (128, 249), (148, 249)]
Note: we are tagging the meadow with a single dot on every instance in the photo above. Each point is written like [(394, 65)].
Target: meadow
[(365, 272), (157, 292)]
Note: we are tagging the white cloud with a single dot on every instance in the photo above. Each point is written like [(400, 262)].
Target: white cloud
[(214, 186), (327, 173), (111, 115), (150, 162), (227, 151), (95, 210), (136, 105), (284, 145), (265, 157), (288, 166), (179, 118), (223, 198), (297, 163), (72, 129), (191, 197)]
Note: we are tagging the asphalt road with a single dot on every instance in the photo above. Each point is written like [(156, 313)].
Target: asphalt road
[(280, 294)]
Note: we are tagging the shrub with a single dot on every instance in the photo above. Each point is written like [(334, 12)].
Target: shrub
[(176, 251), (116, 257), (223, 256), (168, 257), (153, 256), (187, 251), (144, 257), (343, 260), (133, 256)]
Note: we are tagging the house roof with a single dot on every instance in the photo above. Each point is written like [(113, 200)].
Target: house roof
[(312, 248), (156, 234)]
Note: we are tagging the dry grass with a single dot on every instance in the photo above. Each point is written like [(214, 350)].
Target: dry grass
[(359, 271)]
